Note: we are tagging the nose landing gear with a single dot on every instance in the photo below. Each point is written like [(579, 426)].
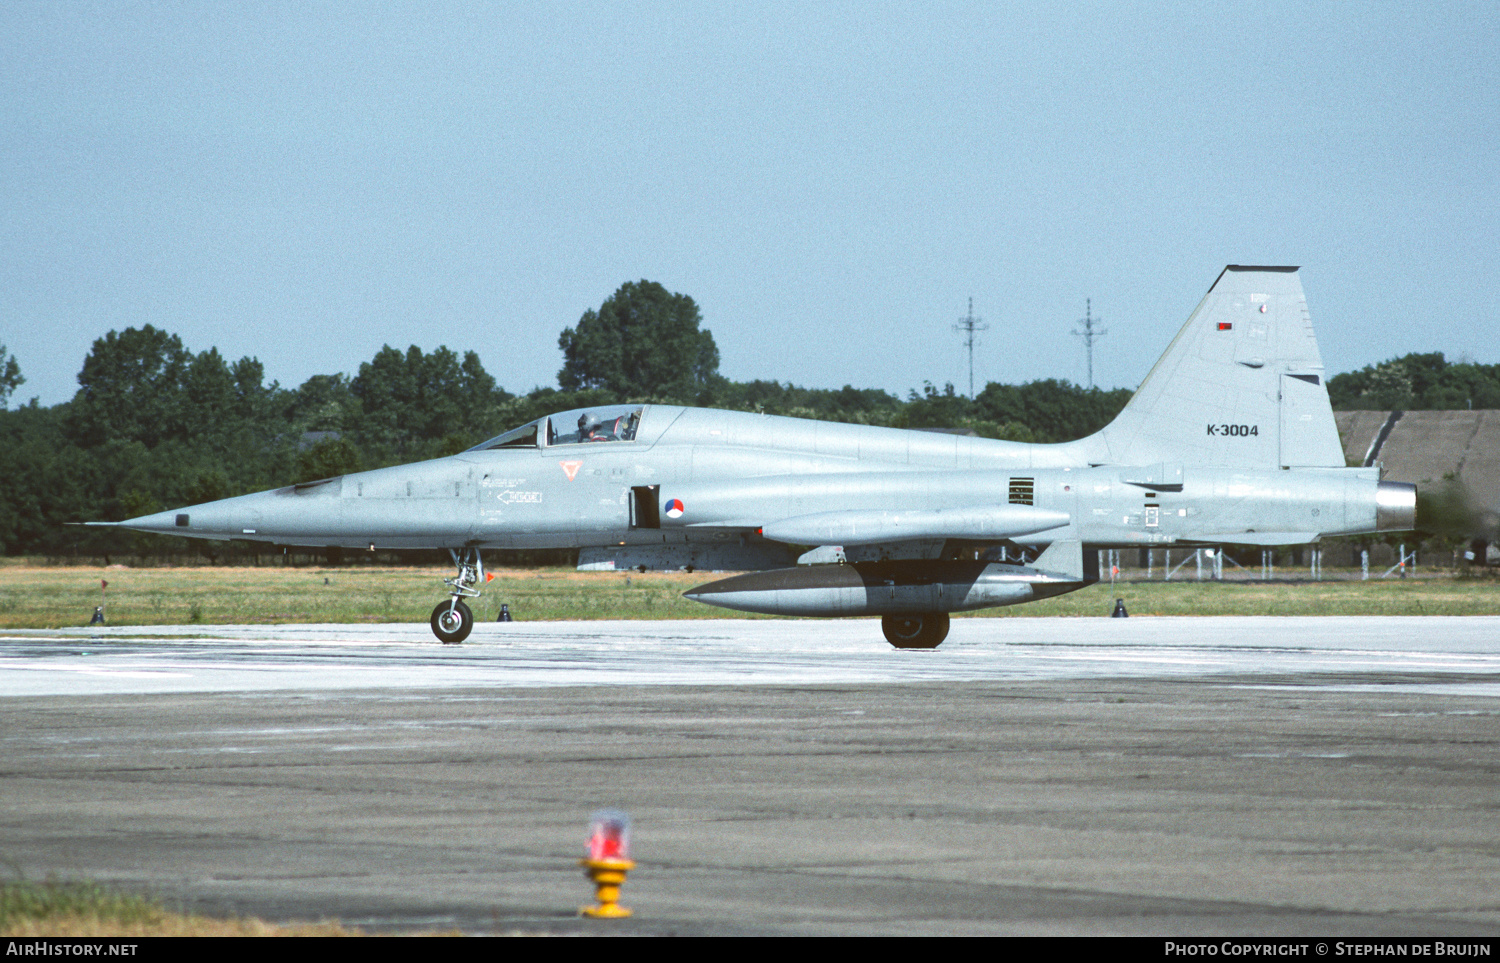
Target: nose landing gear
[(452, 621)]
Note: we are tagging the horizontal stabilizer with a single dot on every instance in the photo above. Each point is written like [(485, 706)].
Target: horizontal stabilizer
[(1167, 477)]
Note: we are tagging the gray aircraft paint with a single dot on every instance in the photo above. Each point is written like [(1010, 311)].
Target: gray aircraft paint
[(1230, 439)]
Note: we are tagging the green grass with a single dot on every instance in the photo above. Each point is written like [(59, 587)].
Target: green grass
[(22, 902), (45, 596), (1426, 596), (33, 596), (83, 908)]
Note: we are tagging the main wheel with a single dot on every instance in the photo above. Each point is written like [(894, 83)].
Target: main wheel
[(924, 631), (452, 622)]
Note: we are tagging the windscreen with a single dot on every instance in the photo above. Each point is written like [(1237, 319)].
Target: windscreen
[(522, 437)]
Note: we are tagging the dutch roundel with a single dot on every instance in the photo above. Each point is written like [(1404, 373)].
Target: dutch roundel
[(674, 508)]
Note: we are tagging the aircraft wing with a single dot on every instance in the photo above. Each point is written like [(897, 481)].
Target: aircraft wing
[(860, 527), (1253, 538)]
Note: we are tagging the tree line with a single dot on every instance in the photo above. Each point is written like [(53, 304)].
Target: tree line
[(156, 426), (1417, 382)]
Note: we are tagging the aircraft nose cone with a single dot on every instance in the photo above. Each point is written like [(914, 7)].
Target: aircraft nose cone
[(229, 518), (164, 523)]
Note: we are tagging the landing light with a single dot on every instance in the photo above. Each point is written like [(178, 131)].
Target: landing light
[(607, 862)]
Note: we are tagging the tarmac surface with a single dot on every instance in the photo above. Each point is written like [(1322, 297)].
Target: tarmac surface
[(1147, 776)]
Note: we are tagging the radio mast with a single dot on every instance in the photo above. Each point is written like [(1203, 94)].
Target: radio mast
[(1090, 333), (969, 325)]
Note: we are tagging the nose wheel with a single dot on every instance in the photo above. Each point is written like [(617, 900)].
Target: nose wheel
[(925, 630), (452, 622)]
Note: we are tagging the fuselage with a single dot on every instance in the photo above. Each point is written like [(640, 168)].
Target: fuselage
[(710, 475)]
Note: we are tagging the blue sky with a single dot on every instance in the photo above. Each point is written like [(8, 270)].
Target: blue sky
[(830, 182)]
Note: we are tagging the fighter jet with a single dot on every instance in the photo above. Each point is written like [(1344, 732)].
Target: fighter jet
[(1229, 440)]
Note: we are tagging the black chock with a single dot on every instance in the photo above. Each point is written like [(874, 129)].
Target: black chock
[(98, 618), (504, 613), (1119, 612)]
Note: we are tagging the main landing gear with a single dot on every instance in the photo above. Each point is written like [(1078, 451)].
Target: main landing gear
[(925, 630), (451, 620)]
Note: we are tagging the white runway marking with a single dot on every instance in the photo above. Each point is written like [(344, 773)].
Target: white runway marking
[(240, 658)]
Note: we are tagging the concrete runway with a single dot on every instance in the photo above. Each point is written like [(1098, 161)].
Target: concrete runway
[(1072, 776)]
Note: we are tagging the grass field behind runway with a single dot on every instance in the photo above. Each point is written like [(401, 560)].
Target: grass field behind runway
[(48, 596), (68, 910)]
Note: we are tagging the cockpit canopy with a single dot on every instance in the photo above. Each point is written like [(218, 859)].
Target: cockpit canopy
[(581, 426)]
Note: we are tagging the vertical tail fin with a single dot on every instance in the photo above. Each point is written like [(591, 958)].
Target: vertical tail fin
[(1242, 384)]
